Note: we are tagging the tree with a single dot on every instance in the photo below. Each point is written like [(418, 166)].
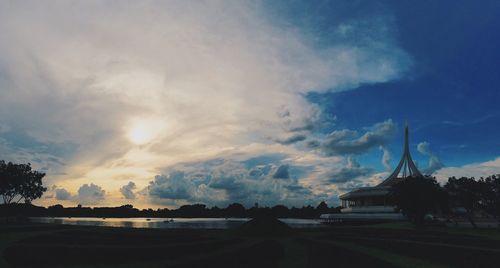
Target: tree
[(195, 210), (322, 208), (465, 192), (21, 182), (490, 194), (418, 196), (280, 211), (235, 210)]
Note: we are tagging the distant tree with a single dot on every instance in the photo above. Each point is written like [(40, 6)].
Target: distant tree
[(490, 194), (21, 182), (418, 196), (195, 210), (465, 192), (322, 208), (235, 210), (215, 212), (307, 212), (56, 207), (280, 211)]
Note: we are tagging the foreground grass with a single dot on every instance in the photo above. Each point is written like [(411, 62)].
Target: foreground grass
[(390, 225), (382, 245), (489, 233), (394, 259)]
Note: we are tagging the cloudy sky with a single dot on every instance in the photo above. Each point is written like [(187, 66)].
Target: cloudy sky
[(163, 103)]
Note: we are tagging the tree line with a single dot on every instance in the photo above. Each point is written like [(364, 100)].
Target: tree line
[(419, 196), (234, 210)]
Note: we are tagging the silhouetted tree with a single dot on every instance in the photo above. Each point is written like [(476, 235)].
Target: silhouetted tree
[(307, 212), (418, 196), (235, 210), (21, 182), (490, 194), (56, 207), (322, 208), (280, 211), (465, 192), (195, 210)]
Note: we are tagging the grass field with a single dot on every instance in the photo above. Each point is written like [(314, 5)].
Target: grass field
[(389, 245)]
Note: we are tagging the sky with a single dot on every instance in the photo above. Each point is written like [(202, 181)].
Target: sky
[(166, 103)]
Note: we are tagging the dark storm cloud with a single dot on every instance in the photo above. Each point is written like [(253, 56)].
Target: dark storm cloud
[(292, 139), (313, 144), (171, 186), (350, 172), (345, 141), (128, 190), (224, 181), (347, 174), (281, 172), (260, 171), (62, 194)]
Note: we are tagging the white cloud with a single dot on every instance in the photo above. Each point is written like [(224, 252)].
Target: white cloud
[(212, 76), (434, 161), (90, 194), (386, 158), (476, 170)]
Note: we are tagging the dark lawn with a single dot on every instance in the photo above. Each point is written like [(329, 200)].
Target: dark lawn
[(37, 245)]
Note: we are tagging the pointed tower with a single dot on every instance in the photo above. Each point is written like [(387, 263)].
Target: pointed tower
[(406, 167), (372, 204)]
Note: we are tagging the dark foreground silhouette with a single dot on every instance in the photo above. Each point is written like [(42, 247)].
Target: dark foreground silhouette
[(264, 242), (264, 226)]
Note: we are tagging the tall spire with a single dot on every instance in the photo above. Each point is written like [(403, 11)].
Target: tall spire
[(406, 167)]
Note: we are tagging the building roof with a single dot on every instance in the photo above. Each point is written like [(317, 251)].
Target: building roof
[(365, 191)]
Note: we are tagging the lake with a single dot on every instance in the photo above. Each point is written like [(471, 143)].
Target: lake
[(167, 223)]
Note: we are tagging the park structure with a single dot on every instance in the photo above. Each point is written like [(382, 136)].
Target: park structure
[(372, 204)]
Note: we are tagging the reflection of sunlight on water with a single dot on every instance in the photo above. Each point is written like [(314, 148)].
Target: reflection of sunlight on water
[(166, 223)]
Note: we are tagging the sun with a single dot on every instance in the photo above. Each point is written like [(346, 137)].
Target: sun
[(140, 135), (143, 131)]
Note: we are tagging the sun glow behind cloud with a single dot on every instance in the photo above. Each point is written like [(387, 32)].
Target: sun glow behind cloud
[(142, 131), (140, 135)]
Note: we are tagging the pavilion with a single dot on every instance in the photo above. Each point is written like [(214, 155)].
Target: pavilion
[(374, 203)]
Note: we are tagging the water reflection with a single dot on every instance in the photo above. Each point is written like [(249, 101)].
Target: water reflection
[(167, 223)]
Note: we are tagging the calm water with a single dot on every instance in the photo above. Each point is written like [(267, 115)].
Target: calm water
[(190, 223)]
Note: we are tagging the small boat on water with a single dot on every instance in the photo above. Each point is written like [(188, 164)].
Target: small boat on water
[(148, 219)]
